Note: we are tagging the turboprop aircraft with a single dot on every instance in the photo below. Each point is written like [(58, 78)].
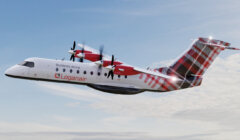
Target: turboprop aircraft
[(106, 74)]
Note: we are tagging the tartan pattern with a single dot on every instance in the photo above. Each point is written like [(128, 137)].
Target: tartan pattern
[(190, 67), (198, 59)]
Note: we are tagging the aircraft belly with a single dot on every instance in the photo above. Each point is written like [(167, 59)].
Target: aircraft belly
[(130, 85), (116, 89)]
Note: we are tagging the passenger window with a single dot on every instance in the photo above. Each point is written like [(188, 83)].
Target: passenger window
[(77, 71), (91, 73), (56, 69), (105, 74), (98, 73), (70, 70), (84, 72), (64, 70), (119, 76), (125, 76)]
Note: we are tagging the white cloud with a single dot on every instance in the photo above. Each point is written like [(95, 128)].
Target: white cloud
[(93, 136), (62, 118), (73, 104), (72, 92), (6, 127), (118, 120)]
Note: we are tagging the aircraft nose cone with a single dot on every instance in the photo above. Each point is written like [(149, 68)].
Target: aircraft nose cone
[(10, 71)]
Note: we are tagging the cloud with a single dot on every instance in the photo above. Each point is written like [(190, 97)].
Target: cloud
[(62, 118), (23, 127), (93, 136), (72, 91), (118, 120), (73, 104)]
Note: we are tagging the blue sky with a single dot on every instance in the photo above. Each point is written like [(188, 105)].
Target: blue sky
[(139, 32)]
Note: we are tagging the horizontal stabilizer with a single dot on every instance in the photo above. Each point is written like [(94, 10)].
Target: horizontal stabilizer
[(221, 46), (213, 42), (232, 48)]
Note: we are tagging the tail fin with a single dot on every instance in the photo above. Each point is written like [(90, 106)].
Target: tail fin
[(197, 59)]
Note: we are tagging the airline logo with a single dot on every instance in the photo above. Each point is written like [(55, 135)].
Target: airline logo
[(57, 75), (68, 77)]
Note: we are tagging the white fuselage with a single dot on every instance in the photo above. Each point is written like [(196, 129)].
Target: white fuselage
[(76, 73)]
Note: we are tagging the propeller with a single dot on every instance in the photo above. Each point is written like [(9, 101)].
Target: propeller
[(110, 73), (100, 58), (72, 51), (82, 51)]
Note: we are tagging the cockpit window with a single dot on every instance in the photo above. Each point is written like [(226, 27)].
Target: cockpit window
[(27, 64)]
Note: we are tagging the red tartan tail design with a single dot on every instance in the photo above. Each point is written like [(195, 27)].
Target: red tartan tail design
[(198, 59)]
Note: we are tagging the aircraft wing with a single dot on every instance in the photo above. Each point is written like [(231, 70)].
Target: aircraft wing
[(152, 72)]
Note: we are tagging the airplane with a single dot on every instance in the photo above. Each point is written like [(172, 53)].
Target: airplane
[(107, 74)]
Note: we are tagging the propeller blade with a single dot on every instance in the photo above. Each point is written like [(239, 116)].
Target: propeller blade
[(112, 62), (99, 68), (83, 46), (81, 59), (101, 53), (74, 51), (72, 57), (74, 45), (83, 49), (110, 73), (100, 59)]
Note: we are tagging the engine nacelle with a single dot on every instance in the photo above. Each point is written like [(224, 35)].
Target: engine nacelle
[(108, 62), (125, 70)]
